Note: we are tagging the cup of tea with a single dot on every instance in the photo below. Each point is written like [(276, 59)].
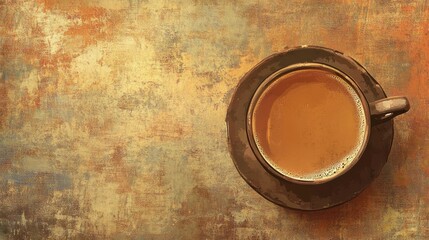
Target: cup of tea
[(310, 122)]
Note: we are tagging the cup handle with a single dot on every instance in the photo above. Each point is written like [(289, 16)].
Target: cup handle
[(385, 109)]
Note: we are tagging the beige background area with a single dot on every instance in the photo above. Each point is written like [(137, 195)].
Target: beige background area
[(112, 117)]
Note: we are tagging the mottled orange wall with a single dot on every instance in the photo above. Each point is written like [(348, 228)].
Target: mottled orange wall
[(112, 117)]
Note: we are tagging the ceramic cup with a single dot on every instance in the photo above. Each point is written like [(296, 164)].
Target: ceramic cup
[(372, 113)]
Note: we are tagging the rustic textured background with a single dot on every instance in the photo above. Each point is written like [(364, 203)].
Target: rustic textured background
[(112, 117)]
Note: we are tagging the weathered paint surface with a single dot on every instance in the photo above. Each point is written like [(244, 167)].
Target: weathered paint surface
[(112, 117)]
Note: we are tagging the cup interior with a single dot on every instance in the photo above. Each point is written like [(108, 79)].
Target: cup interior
[(324, 174)]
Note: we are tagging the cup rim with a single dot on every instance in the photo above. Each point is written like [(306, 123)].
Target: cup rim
[(271, 166)]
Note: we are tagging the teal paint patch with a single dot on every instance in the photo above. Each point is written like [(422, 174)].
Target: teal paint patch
[(6, 154), (16, 70), (51, 181)]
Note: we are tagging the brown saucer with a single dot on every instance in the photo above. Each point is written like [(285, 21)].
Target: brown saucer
[(293, 195)]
